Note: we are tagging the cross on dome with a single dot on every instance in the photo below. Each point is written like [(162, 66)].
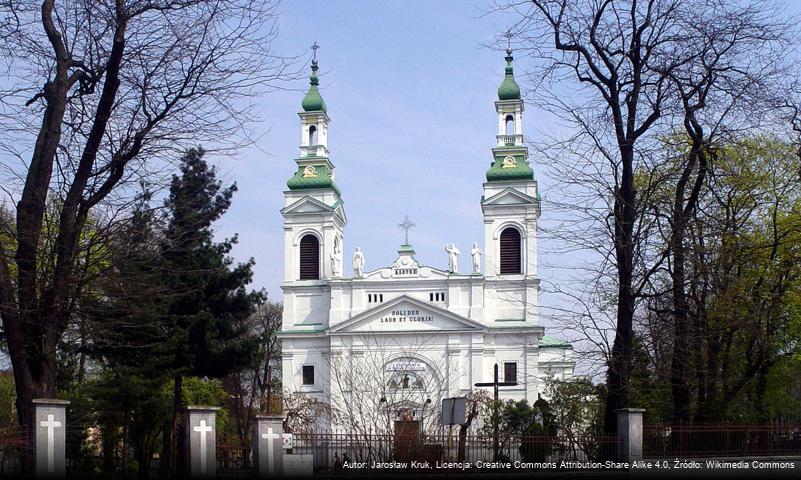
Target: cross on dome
[(508, 36)]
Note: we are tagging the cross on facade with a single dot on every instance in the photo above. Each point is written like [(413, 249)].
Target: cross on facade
[(314, 50), (51, 424), (270, 436), (203, 429), (495, 384), (406, 225)]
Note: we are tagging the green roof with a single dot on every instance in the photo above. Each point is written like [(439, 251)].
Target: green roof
[(517, 170), (547, 341), (317, 177), (509, 90), (313, 102)]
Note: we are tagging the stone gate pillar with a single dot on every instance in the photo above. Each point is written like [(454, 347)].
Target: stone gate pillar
[(268, 455), (201, 442), (50, 437), (629, 430)]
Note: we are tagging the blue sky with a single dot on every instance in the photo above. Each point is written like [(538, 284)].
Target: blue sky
[(410, 89)]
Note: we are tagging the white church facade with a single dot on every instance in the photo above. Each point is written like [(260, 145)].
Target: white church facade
[(391, 342)]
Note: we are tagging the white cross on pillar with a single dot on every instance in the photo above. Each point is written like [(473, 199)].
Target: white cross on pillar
[(270, 436), (203, 429), (51, 424)]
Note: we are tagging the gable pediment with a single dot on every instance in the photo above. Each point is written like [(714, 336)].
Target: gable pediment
[(406, 314), (307, 205), (509, 196)]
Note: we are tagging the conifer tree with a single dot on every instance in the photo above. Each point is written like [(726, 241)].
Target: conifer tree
[(209, 304), (176, 305)]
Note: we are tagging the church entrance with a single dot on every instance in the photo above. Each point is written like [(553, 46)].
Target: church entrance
[(407, 440)]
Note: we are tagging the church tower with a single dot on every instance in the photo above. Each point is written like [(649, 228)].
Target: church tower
[(314, 217), (511, 208)]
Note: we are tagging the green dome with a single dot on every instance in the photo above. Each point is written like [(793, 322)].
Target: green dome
[(313, 102), (509, 89), (516, 168), (316, 176)]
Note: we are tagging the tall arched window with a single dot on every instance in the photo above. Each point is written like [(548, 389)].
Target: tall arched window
[(309, 258), (510, 125), (511, 258), (313, 135)]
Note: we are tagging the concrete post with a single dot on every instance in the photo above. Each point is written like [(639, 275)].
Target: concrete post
[(268, 455), (201, 442), (50, 437), (629, 430)]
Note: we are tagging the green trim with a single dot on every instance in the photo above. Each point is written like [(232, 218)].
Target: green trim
[(551, 342), (509, 90), (499, 172), (405, 248), (313, 101), (322, 179)]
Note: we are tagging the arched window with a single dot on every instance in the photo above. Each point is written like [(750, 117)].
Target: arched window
[(511, 258), (510, 125), (313, 135), (309, 258)]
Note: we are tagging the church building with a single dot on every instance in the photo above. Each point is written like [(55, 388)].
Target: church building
[(390, 342)]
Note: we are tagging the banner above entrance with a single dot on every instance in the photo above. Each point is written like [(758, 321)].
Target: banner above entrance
[(406, 366), (406, 314)]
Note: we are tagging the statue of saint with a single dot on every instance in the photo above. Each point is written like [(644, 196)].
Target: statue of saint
[(358, 263), (476, 253), (453, 260), (336, 259)]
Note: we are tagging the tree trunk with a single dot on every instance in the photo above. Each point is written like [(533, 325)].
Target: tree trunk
[(678, 372), (170, 460), (621, 356)]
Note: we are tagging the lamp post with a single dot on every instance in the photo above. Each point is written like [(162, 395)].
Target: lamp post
[(423, 422), (383, 400)]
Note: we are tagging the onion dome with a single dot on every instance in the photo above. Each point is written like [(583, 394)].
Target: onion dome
[(509, 90)]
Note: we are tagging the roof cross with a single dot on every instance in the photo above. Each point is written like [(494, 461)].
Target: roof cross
[(314, 50), (508, 36), (406, 225)]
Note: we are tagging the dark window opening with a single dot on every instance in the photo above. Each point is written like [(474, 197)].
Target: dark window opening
[(312, 135), (510, 251), (309, 258), (308, 375), (510, 125), (510, 372)]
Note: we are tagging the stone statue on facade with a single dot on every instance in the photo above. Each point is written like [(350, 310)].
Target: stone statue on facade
[(476, 253), (453, 260), (336, 259), (358, 262)]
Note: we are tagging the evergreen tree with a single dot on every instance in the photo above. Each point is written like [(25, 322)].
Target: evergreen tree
[(205, 324), (175, 306)]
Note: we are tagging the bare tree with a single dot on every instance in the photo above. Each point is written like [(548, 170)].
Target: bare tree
[(257, 389), (641, 73), (102, 90)]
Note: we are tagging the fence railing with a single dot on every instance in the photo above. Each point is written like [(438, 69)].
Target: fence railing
[(696, 441), (330, 450), (14, 444)]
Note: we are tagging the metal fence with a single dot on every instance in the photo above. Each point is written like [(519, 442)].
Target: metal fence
[(697, 441), (330, 450), (13, 446)]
